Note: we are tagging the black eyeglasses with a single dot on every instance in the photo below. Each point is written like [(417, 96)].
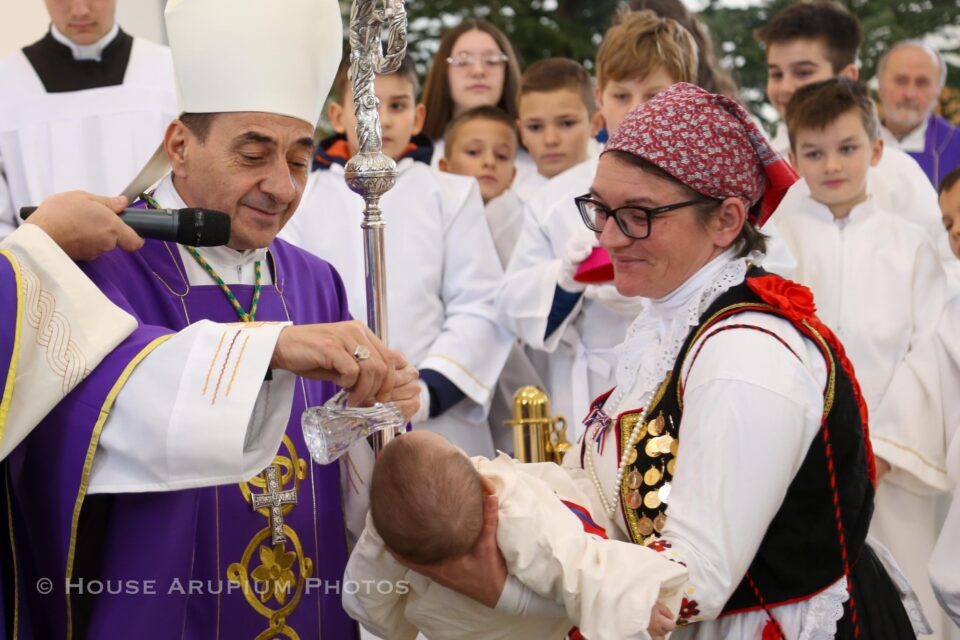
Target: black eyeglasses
[(634, 221)]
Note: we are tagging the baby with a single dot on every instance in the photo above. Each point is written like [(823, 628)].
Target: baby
[(427, 506)]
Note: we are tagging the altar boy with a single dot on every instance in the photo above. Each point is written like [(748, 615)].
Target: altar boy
[(879, 284)]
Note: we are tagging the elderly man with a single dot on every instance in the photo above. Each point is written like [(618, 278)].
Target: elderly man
[(911, 76), (178, 469), (81, 108)]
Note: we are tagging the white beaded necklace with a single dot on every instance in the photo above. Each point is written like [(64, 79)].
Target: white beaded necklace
[(610, 505), (731, 272)]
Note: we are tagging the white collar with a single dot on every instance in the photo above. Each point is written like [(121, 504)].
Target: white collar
[(655, 338), (859, 212), (86, 51), (235, 267), (913, 142)]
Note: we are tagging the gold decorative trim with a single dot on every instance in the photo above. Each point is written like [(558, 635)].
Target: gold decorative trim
[(236, 365), (913, 452), (213, 361), (13, 556), (88, 460), (223, 369), (276, 561), (459, 366), (633, 522), (18, 333), (829, 394)]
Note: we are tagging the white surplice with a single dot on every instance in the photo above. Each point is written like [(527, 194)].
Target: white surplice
[(66, 327), (733, 469), (945, 561), (95, 140), (523, 367), (580, 350), (442, 278), (505, 217), (560, 575), (879, 284), (898, 185)]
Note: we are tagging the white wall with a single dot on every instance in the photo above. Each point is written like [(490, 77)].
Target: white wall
[(25, 21)]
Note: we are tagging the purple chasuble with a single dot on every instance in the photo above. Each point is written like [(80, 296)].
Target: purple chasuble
[(204, 557), (941, 150), (9, 310)]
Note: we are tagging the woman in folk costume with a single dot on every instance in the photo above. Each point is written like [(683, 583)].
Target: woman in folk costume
[(735, 441)]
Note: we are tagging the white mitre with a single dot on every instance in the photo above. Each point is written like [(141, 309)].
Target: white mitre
[(277, 56)]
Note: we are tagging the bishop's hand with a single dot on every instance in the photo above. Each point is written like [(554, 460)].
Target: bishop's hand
[(479, 574), (346, 353), (406, 393)]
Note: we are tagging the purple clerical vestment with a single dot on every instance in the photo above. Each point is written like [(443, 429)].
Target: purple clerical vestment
[(195, 563), (9, 311), (941, 150)]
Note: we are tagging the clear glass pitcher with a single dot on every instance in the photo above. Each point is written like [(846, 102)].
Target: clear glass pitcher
[(331, 429)]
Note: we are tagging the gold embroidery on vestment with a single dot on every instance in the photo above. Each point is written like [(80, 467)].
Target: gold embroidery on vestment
[(275, 585)]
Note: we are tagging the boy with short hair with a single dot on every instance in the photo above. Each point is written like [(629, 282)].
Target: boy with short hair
[(444, 271), (482, 143), (556, 105), (578, 325), (816, 40), (430, 503), (879, 284)]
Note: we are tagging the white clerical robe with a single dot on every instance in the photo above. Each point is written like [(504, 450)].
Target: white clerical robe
[(581, 348), (524, 367), (945, 561), (65, 328), (505, 217), (574, 577), (95, 140), (898, 185), (442, 278), (156, 437), (878, 283)]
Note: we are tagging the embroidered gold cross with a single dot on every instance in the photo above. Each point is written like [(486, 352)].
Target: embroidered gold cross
[(274, 499)]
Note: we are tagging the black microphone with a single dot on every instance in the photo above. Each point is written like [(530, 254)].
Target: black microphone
[(191, 226)]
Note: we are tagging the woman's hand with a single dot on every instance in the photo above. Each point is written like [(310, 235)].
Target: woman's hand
[(479, 574)]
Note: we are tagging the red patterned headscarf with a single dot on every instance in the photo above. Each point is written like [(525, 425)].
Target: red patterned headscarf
[(709, 143)]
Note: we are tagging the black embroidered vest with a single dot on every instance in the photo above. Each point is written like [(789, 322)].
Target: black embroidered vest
[(801, 553)]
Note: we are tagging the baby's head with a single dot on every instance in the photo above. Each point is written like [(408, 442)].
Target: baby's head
[(426, 498)]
